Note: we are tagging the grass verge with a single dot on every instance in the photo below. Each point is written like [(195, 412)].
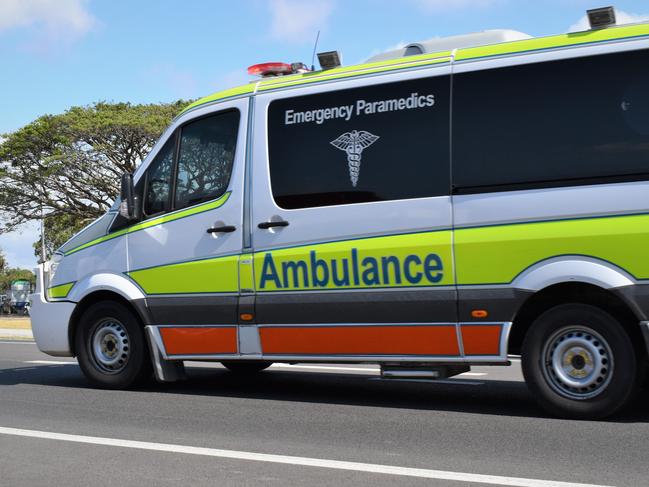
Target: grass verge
[(15, 323)]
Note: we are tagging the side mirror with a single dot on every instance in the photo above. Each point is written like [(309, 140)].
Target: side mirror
[(127, 196)]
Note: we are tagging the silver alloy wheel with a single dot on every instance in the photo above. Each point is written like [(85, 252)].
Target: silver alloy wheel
[(577, 362), (110, 347)]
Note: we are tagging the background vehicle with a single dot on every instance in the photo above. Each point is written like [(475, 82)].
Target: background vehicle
[(425, 213), (17, 297)]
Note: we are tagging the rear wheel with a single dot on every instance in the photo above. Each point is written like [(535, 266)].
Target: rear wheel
[(111, 347), (246, 367), (579, 362)]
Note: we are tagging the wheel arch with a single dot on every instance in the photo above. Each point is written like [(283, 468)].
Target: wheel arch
[(576, 292), (138, 308)]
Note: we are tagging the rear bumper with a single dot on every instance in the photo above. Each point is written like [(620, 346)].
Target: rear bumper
[(50, 321)]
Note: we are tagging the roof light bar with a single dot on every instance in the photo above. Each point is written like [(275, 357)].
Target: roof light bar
[(600, 18), (276, 69), (300, 68), (270, 69)]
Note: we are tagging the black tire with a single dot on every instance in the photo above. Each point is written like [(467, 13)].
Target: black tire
[(117, 324), (245, 367), (579, 337)]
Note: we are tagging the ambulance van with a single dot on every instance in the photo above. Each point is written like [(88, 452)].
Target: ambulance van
[(456, 202)]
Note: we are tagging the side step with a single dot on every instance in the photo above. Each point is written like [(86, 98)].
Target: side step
[(429, 372)]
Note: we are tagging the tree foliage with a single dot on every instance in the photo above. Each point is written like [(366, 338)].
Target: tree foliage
[(8, 274), (68, 166), (58, 230), (12, 274)]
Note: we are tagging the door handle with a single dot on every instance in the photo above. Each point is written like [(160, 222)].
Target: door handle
[(267, 225), (223, 229)]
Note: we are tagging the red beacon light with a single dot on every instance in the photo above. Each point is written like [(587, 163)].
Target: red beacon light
[(276, 69)]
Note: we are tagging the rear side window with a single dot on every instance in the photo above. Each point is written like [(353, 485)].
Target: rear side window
[(377, 143), (205, 158), (563, 122)]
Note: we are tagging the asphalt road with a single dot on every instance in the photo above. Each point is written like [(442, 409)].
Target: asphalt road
[(57, 430)]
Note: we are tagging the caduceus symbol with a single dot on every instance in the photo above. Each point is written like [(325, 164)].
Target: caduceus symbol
[(353, 143)]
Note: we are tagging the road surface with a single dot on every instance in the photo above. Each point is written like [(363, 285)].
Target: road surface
[(297, 426)]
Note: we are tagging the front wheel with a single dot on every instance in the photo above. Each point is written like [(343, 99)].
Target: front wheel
[(111, 347), (579, 362)]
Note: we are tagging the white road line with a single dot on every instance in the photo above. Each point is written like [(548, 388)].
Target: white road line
[(49, 362), (300, 461)]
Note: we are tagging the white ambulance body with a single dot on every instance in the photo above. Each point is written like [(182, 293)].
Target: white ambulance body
[(425, 213)]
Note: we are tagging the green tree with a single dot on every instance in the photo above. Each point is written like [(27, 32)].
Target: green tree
[(68, 166), (12, 274), (58, 230)]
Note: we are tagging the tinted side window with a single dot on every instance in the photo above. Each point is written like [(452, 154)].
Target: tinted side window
[(561, 121), (158, 180), (205, 158), (377, 143)]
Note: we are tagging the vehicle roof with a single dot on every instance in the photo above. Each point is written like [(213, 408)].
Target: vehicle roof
[(575, 39)]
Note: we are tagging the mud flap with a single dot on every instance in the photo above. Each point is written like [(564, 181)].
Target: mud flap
[(164, 370)]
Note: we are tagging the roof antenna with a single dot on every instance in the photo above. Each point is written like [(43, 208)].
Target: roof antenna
[(315, 48)]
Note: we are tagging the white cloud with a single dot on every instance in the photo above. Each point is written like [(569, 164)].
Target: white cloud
[(620, 16), (51, 22), (298, 20), (432, 6)]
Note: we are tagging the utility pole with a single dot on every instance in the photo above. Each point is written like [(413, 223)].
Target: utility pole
[(42, 235)]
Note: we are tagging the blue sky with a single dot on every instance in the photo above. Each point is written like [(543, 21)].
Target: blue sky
[(60, 53)]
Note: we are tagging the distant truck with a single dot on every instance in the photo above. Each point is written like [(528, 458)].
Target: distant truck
[(17, 297)]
